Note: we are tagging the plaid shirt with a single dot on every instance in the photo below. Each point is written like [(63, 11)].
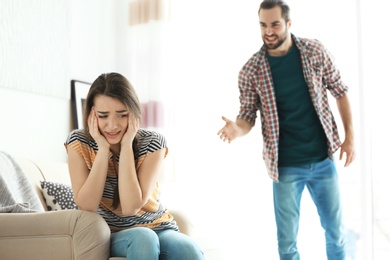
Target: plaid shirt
[(257, 93)]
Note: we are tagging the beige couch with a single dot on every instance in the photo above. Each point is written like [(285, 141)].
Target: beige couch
[(64, 234)]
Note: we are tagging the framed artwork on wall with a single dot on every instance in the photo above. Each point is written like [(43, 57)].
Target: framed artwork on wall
[(79, 91)]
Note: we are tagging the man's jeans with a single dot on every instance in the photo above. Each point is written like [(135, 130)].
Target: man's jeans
[(321, 180)]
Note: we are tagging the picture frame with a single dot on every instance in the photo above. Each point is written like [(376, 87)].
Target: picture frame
[(79, 92)]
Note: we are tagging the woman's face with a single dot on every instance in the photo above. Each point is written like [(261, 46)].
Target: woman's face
[(112, 117)]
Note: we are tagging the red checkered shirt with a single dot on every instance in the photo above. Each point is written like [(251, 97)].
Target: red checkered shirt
[(257, 94)]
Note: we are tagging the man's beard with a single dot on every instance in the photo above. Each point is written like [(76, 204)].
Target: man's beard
[(276, 45)]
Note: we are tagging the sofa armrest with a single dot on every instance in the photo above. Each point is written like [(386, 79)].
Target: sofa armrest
[(60, 235), (183, 221)]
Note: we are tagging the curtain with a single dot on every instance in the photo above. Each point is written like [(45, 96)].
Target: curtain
[(147, 22), (146, 58)]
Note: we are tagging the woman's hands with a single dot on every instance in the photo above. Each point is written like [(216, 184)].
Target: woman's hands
[(95, 132), (131, 131)]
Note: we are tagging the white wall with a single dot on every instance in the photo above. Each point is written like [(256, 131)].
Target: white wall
[(33, 126), (45, 44), (93, 38), (34, 74)]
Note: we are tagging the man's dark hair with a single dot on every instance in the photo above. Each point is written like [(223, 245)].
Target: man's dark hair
[(269, 4)]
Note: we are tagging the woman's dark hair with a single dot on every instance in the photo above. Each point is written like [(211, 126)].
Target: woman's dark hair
[(269, 4), (116, 86)]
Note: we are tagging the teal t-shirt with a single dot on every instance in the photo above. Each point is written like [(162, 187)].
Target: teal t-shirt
[(302, 139)]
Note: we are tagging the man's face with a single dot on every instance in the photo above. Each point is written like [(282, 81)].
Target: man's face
[(274, 29)]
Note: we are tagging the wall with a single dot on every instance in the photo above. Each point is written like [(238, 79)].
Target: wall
[(45, 44)]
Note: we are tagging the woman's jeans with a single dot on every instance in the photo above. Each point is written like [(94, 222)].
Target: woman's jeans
[(142, 243), (321, 180)]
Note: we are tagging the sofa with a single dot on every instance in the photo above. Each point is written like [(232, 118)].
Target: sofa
[(65, 234)]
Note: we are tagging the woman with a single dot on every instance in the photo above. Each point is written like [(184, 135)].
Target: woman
[(114, 168)]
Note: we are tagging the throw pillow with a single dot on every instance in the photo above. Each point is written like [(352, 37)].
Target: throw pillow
[(58, 196)]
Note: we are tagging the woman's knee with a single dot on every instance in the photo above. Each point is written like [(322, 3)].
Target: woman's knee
[(175, 245), (135, 241)]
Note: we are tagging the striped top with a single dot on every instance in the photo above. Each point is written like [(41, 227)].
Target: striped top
[(152, 215), (257, 94)]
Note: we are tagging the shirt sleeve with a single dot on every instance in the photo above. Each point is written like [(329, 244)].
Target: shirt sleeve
[(82, 145), (332, 76), (249, 98), (150, 141)]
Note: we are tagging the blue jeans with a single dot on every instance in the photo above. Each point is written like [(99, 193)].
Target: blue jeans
[(142, 243), (321, 180)]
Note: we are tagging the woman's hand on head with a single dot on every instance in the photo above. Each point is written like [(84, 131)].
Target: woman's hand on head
[(94, 130), (131, 131)]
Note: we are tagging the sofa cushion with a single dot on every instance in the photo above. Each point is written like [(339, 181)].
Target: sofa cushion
[(58, 196)]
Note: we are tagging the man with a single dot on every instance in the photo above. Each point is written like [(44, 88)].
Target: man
[(287, 81)]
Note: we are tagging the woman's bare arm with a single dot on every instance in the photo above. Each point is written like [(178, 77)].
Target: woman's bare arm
[(135, 188), (88, 186)]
